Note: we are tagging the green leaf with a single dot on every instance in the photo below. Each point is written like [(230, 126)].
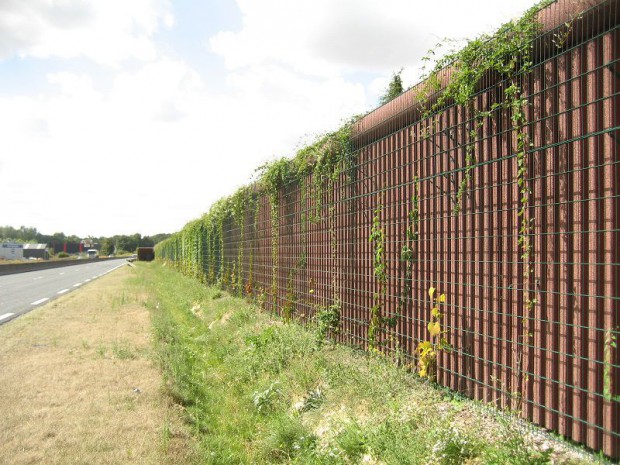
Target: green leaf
[(445, 345)]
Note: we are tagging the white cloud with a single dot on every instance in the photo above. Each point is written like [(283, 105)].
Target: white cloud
[(106, 32), (323, 37), (158, 147)]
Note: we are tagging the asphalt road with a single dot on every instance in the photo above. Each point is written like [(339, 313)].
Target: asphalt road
[(21, 292)]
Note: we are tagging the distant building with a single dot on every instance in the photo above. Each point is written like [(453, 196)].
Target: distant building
[(11, 251), (36, 251)]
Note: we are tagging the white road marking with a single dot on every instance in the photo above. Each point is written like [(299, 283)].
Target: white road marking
[(88, 280), (40, 301), (38, 277), (77, 285), (6, 315), (63, 291), (61, 273)]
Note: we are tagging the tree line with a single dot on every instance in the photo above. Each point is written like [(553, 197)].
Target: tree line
[(119, 243)]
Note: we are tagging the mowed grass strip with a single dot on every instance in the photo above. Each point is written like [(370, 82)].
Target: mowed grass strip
[(254, 389), (78, 383)]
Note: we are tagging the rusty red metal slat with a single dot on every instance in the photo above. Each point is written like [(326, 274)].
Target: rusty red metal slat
[(594, 371), (612, 208)]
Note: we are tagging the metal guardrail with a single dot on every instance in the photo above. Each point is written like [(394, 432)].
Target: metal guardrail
[(14, 268)]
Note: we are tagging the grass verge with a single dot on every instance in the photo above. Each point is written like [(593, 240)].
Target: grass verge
[(78, 384), (256, 390)]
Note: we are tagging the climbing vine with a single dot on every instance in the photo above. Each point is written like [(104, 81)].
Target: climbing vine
[(507, 54), (199, 248), (274, 177), (456, 78), (252, 210), (239, 207), (378, 322), (377, 237), (327, 322), (437, 342), (408, 250)]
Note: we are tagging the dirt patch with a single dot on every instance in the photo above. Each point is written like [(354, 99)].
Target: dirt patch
[(221, 321), (78, 383)]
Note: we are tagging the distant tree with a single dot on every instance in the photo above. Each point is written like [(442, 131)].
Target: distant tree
[(27, 234), (136, 240), (128, 243), (157, 238), (8, 233), (59, 237), (395, 88), (107, 246), (21, 234), (123, 244), (44, 239), (147, 242)]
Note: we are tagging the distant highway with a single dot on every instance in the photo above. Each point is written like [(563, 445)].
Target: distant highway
[(21, 292)]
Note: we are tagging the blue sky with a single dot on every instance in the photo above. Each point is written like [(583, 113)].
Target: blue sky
[(124, 116)]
